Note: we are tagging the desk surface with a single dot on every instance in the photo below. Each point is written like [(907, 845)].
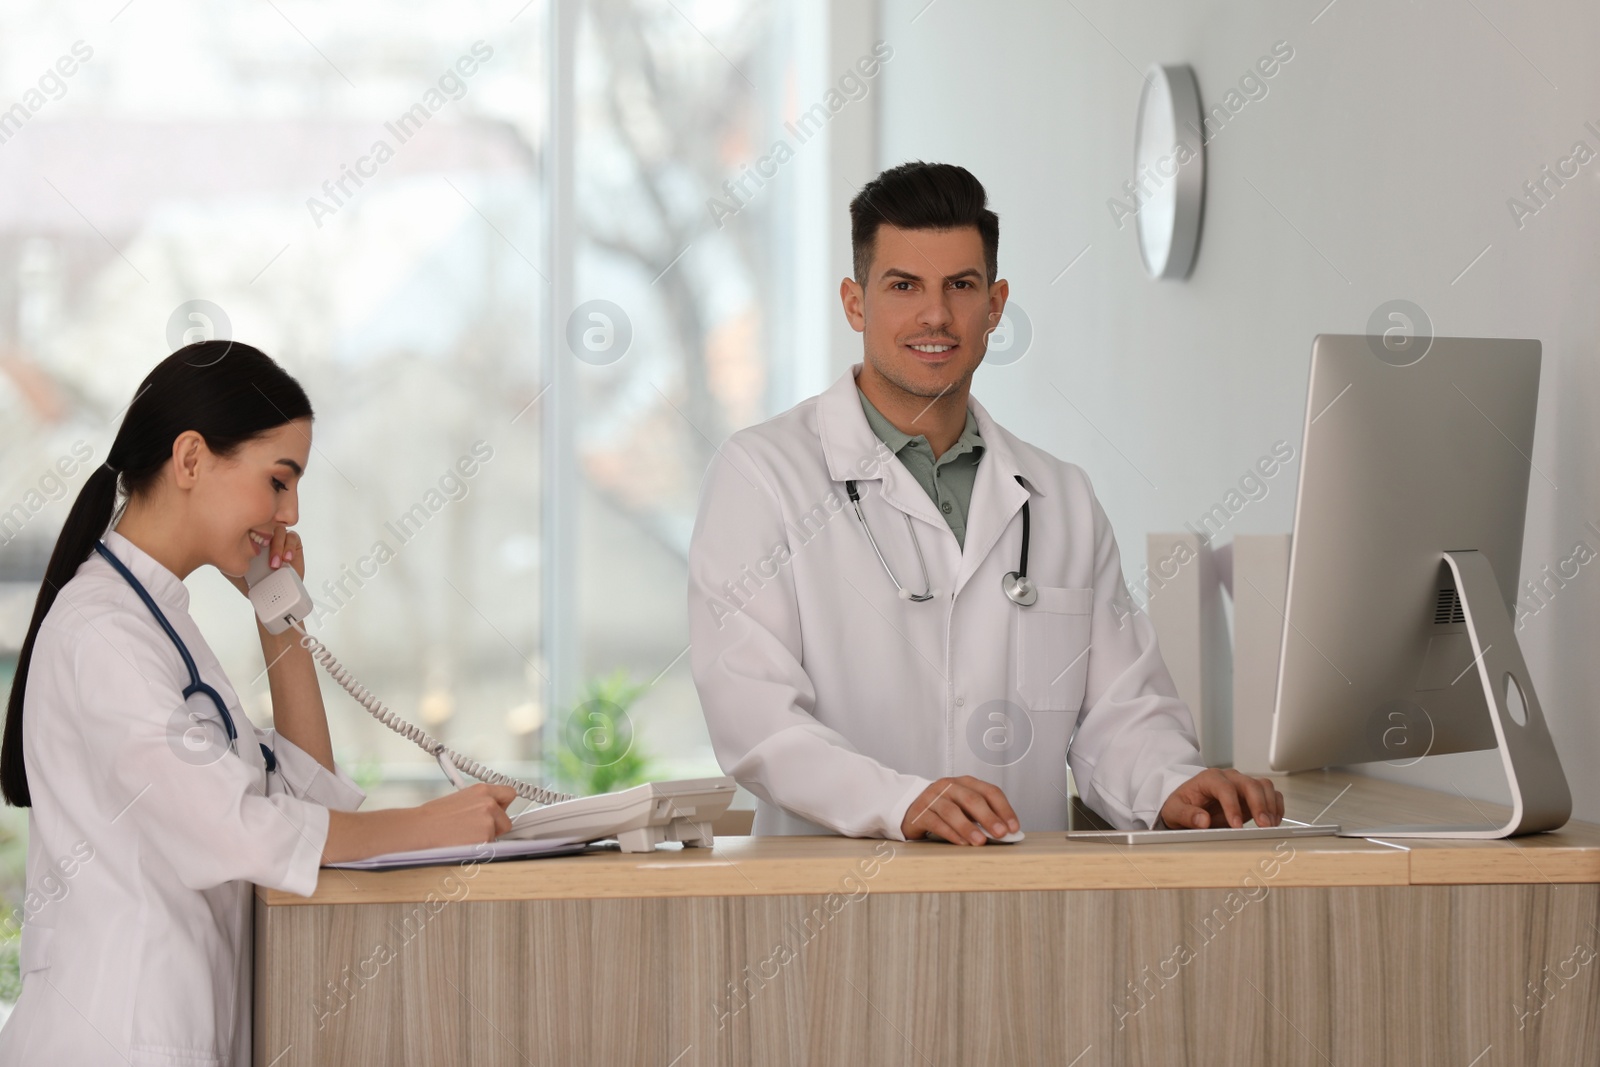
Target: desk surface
[(780, 866)]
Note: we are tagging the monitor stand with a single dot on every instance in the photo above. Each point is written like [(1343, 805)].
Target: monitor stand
[(1540, 799)]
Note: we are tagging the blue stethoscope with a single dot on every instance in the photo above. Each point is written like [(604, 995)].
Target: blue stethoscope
[(196, 685)]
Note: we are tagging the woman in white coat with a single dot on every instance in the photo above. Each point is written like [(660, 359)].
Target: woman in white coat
[(154, 803)]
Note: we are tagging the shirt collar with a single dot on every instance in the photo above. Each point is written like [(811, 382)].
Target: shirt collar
[(167, 588), (897, 439), (851, 450)]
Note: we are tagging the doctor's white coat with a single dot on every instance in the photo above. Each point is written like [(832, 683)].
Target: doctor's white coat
[(136, 929), (836, 702)]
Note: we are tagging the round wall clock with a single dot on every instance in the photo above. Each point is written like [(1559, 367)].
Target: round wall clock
[(1169, 171)]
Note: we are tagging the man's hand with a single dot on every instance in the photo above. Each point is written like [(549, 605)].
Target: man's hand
[(951, 806), (1218, 797)]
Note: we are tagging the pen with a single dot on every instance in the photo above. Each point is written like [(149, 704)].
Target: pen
[(450, 771)]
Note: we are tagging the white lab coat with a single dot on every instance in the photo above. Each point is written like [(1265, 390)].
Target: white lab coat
[(836, 702), (137, 930)]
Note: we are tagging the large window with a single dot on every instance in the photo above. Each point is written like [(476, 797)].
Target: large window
[(441, 221), (674, 288)]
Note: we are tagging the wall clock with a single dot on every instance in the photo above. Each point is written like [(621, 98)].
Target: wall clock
[(1169, 170)]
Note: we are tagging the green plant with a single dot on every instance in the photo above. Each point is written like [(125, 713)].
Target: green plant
[(13, 886), (599, 749), (10, 970), (366, 772)]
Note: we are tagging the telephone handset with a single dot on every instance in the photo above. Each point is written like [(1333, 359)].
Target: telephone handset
[(281, 601), (279, 597)]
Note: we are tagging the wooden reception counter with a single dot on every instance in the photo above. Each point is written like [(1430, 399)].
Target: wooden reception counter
[(824, 950)]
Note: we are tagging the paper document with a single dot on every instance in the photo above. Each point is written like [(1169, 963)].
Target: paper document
[(480, 853)]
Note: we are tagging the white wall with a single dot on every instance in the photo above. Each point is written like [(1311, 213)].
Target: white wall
[(1378, 165)]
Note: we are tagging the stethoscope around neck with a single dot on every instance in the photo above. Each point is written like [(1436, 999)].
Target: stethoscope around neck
[(196, 684), (1016, 585)]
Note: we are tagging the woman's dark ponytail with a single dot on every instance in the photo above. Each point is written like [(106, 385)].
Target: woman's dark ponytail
[(86, 522), (228, 393)]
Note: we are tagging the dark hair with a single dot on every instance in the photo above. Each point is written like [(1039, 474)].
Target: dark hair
[(226, 392), (922, 196)]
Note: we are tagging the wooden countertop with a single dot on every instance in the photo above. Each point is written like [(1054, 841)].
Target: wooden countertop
[(777, 866)]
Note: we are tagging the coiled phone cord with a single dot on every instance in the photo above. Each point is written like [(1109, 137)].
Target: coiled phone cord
[(369, 700)]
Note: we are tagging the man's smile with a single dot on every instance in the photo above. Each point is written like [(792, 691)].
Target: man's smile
[(933, 351)]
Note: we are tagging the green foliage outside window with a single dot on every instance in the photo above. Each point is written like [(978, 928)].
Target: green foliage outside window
[(598, 748)]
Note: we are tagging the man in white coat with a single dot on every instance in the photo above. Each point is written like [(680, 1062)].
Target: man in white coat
[(904, 620)]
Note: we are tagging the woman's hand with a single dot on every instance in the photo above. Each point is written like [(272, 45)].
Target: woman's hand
[(287, 547), (467, 816)]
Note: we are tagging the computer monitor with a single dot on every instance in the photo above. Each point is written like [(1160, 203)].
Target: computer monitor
[(1399, 638)]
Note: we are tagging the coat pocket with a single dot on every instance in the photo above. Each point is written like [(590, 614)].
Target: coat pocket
[(1052, 643), (156, 1056)]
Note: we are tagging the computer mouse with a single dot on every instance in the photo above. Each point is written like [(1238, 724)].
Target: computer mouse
[(1008, 839)]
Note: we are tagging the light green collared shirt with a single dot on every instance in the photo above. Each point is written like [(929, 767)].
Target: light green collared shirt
[(948, 479)]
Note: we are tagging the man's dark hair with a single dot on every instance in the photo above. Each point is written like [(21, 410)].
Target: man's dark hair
[(922, 196)]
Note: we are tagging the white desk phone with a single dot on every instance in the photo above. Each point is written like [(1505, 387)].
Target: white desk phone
[(639, 818)]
